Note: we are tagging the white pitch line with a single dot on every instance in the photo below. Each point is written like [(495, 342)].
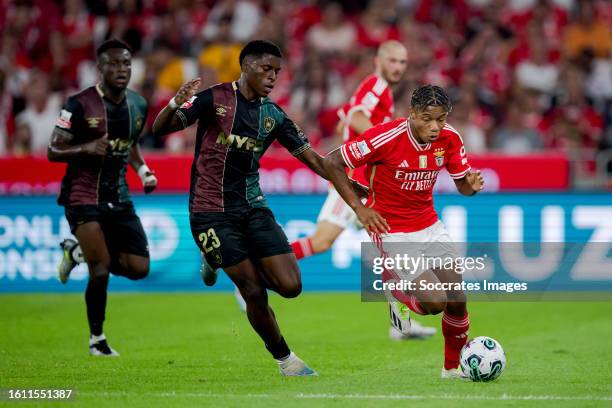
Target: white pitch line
[(502, 397)]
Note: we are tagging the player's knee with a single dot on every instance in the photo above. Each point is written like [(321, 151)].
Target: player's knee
[(456, 297), (138, 268), (456, 308), (98, 270), (433, 308), (252, 293), (291, 290), (139, 272)]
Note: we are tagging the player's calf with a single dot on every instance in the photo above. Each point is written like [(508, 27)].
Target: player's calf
[(253, 294), (321, 243), (455, 330)]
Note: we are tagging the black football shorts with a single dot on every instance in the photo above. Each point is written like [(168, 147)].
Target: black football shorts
[(227, 238), (122, 229)]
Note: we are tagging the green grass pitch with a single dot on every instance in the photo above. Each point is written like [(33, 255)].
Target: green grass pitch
[(197, 349)]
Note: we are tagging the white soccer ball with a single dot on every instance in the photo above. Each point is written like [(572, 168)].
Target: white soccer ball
[(482, 359)]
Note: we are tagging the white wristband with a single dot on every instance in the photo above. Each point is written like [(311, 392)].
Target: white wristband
[(142, 172), (172, 104)]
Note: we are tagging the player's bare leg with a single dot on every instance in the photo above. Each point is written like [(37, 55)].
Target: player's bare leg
[(252, 286), (131, 266), (209, 277), (282, 274), (93, 244)]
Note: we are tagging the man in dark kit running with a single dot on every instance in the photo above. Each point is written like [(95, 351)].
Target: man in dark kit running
[(97, 135), (230, 219)]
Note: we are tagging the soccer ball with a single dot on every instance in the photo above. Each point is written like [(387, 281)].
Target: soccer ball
[(482, 359)]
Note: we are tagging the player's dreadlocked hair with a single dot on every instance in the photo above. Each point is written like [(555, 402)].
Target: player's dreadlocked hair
[(430, 95), (112, 43), (258, 48)]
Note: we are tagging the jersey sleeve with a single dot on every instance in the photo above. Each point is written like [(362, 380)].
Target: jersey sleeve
[(71, 118), (199, 106), (369, 95), (457, 164), (373, 145), (292, 137)]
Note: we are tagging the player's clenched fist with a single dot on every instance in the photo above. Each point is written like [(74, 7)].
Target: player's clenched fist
[(96, 147), (149, 181), (187, 90), (372, 220)]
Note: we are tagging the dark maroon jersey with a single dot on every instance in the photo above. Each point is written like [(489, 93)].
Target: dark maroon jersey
[(233, 133), (89, 115)]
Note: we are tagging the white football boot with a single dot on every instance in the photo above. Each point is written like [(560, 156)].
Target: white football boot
[(453, 373), (293, 366), (71, 257), (399, 317)]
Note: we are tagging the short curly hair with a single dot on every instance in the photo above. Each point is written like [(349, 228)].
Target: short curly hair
[(430, 95)]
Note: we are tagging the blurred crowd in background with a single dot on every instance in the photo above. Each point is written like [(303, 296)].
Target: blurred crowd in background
[(525, 75)]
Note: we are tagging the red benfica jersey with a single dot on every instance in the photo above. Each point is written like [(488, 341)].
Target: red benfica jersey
[(372, 97), (401, 172)]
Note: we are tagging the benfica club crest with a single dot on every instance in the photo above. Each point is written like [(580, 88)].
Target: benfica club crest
[(269, 123), (439, 157)]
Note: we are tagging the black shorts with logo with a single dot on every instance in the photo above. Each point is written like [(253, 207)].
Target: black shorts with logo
[(122, 229), (227, 238)]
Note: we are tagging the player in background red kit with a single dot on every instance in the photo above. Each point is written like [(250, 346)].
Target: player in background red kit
[(403, 159), (371, 104)]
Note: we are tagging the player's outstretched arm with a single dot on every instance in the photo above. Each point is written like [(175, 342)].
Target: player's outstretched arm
[(314, 160), (335, 167), (60, 148), (316, 163), (167, 121), (471, 184), (147, 176)]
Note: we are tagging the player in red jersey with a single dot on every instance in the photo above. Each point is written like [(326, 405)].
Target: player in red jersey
[(403, 159), (371, 104)]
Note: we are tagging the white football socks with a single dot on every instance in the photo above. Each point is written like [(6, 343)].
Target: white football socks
[(94, 339)]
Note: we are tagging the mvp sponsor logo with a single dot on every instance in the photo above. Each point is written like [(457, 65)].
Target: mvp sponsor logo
[(245, 143), (119, 145)]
